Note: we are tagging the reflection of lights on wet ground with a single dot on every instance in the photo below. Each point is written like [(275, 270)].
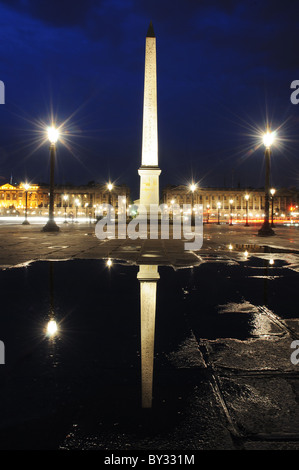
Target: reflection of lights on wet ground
[(52, 328)]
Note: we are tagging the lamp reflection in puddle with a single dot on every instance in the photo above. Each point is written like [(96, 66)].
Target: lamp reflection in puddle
[(52, 328), (148, 276)]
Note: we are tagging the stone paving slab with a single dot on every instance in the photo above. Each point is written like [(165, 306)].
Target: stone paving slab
[(252, 355), (256, 405)]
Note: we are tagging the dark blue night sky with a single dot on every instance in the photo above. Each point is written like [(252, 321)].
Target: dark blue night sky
[(224, 67)]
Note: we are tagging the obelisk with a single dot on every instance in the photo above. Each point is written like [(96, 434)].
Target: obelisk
[(149, 171)]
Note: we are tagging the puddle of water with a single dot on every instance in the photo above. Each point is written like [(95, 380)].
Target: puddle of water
[(258, 249), (88, 289), (58, 247), (151, 255), (94, 356)]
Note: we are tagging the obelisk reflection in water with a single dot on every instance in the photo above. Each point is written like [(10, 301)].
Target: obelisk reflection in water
[(148, 276)]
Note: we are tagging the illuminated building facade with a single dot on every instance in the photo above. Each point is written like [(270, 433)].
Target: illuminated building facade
[(87, 200), (286, 201)]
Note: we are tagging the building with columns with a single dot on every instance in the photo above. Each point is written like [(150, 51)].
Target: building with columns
[(86, 200), (232, 201)]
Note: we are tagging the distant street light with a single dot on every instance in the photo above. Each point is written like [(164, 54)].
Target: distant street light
[(26, 187), (272, 191), (192, 188), (247, 199), (53, 135), (86, 209), (208, 213), (77, 203), (231, 213), (218, 205), (65, 198), (110, 187), (171, 207), (268, 140)]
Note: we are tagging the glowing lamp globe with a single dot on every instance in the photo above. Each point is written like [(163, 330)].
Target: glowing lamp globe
[(268, 139), (53, 134)]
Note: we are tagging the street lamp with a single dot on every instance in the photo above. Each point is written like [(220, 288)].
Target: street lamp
[(110, 187), (268, 140), (172, 203), (208, 212), (87, 210), (192, 188), (65, 198), (77, 203), (247, 199), (26, 187), (218, 205), (53, 135), (231, 209), (272, 191)]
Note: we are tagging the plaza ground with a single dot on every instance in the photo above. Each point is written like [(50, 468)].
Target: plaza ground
[(24, 244)]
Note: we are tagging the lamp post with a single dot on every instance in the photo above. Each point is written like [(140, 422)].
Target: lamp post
[(110, 187), (192, 188), (65, 198), (26, 187), (208, 213), (86, 209), (53, 135), (272, 191), (218, 206), (172, 203), (76, 206), (247, 199), (231, 209), (266, 230)]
